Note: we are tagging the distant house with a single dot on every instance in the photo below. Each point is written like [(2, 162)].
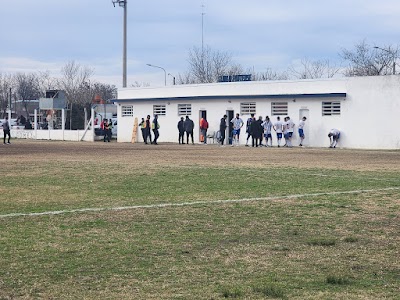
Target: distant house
[(364, 109)]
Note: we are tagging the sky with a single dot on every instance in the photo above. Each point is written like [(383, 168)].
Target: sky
[(43, 35)]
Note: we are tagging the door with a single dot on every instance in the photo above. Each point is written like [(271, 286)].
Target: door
[(230, 114), (202, 115), (305, 113)]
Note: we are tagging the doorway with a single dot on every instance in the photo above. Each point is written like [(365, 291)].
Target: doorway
[(304, 112), (230, 114), (202, 115)]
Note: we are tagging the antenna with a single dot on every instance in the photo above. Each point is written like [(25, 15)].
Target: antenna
[(202, 27)]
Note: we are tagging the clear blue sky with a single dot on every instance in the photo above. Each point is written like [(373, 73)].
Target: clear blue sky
[(44, 35)]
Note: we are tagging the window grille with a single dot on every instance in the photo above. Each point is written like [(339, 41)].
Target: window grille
[(247, 108), (331, 108), (184, 109), (159, 110), (127, 110), (279, 108)]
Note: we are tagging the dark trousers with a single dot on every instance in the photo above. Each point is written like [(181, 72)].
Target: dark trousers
[(106, 135), (6, 132), (190, 133), (147, 136), (222, 139), (255, 139), (181, 135), (156, 135), (144, 134)]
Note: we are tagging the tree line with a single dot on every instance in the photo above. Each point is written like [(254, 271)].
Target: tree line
[(206, 65), (75, 79)]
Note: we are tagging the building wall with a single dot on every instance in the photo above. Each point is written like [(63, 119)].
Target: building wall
[(367, 118)]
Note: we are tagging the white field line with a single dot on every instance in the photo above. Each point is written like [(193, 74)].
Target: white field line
[(163, 205)]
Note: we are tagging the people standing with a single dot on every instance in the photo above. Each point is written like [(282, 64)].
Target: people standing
[(189, 126), (267, 126), (278, 129), (110, 127), (155, 126), (105, 126), (222, 129), (290, 127), (6, 131), (237, 125), (301, 130), (285, 131), (181, 129), (142, 125), (334, 136), (248, 128), (203, 129), (147, 130), (256, 131)]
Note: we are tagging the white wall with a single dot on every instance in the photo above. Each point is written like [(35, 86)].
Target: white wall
[(56, 135), (367, 120)]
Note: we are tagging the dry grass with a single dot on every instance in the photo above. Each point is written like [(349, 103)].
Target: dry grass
[(278, 248)]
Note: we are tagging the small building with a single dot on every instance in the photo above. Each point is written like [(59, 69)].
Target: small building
[(364, 109)]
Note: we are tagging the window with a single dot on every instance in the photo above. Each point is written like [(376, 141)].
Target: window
[(184, 109), (247, 108), (127, 110), (331, 108), (159, 110), (279, 108)]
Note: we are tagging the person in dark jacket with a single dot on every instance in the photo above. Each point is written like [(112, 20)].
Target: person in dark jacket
[(155, 126), (6, 131), (256, 131), (181, 129), (189, 126), (222, 129), (147, 129)]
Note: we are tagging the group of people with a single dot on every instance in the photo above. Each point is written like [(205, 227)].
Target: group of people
[(147, 126), (187, 126), (259, 130), (107, 125)]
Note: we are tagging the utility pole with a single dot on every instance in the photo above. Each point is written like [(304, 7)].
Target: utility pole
[(124, 4)]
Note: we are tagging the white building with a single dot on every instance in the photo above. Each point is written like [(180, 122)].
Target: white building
[(365, 109)]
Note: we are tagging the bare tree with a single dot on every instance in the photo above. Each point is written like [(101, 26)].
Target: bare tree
[(75, 80), (27, 89), (106, 91), (308, 69), (270, 75), (365, 60), (138, 84), (207, 65), (6, 87)]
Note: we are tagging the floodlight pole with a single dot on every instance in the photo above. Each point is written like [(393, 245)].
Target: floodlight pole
[(394, 57), (173, 78), (165, 72), (124, 4)]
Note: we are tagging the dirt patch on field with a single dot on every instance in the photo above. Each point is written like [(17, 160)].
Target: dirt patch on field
[(152, 156)]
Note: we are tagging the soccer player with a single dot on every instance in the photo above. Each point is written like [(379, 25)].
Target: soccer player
[(267, 125), (334, 136), (285, 129), (301, 130), (278, 129), (290, 127), (237, 125)]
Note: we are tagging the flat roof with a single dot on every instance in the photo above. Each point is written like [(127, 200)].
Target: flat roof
[(218, 97)]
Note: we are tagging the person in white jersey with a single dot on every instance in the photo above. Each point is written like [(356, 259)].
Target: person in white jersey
[(278, 129), (302, 123), (334, 136), (285, 131), (267, 125), (237, 125), (290, 128)]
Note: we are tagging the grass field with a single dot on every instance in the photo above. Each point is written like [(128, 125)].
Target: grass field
[(197, 222)]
